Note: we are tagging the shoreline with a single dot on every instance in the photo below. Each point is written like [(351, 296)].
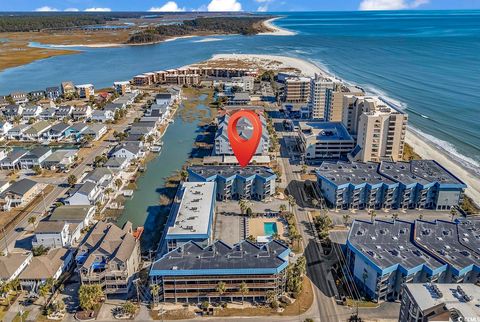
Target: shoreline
[(276, 31), (422, 145)]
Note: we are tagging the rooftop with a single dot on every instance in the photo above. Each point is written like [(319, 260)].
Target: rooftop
[(325, 131), (462, 298), (389, 243), (45, 266), (192, 259), (49, 227), (21, 187), (356, 173), (193, 210), (9, 264), (229, 171), (70, 213)]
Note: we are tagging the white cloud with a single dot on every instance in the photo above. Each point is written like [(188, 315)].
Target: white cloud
[(71, 9), (263, 7), (170, 6), (46, 9), (98, 9), (391, 4), (224, 5)]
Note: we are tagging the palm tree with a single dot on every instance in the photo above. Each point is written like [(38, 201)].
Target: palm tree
[(283, 208), (453, 213), (271, 296), (394, 216), (243, 205), (244, 290), (346, 218), (118, 183), (373, 214), (32, 221), (184, 175), (221, 289), (15, 284), (291, 202), (154, 289), (276, 236)]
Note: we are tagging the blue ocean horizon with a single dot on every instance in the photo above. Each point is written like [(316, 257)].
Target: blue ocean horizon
[(426, 62)]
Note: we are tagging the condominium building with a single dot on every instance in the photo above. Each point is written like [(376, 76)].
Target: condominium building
[(191, 216), (233, 182), (244, 129), (109, 256), (122, 87), (334, 111), (192, 272), (379, 128), (440, 302), (383, 256), (421, 184), (321, 89), (85, 90), (324, 140), (297, 90)]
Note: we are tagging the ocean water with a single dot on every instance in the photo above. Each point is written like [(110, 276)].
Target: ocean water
[(427, 62)]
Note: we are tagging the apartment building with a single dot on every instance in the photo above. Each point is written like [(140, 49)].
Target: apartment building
[(85, 90), (191, 216), (297, 90), (67, 88), (122, 87), (109, 256), (244, 129), (422, 184), (235, 183), (321, 89), (191, 273), (379, 128), (383, 256), (334, 111), (324, 140), (439, 302)]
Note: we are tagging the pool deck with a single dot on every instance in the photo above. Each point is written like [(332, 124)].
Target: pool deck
[(256, 226)]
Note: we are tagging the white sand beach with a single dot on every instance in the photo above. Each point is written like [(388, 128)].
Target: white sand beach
[(277, 31), (429, 150), (424, 147)]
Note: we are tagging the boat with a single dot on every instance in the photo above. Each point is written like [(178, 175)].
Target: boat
[(156, 148), (171, 121)]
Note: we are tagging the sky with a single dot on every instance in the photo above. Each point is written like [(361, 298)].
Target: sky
[(234, 5)]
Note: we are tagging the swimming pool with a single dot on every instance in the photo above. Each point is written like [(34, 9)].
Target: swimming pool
[(270, 228)]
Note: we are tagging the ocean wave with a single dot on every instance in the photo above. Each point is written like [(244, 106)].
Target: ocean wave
[(207, 40), (370, 89), (450, 150)]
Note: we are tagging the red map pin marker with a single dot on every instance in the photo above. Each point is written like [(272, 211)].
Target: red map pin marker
[(244, 149)]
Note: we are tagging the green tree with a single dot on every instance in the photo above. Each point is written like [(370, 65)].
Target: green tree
[(154, 289), (304, 168), (221, 289), (72, 180), (323, 224), (291, 201), (37, 169), (394, 216), (243, 205), (32, 221), (129, 308), (271, 296), (205, 305), (373, 214), (184, 175), (453, 213), (244, 290), (89, 296), (315, 203), (249, 212), (251, 239), (5, 288), (283, 208), (43, 291), (15, 284), (118, 183), (346, 219)]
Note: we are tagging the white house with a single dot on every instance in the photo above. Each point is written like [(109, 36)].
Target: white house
[(102, 115), (5, 127), (87, 193), (130, 151), (52, 234), (35, 157), (31, 112)]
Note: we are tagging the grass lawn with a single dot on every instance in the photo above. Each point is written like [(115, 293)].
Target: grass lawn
[(365, 304), (180, 314), (301, 305)]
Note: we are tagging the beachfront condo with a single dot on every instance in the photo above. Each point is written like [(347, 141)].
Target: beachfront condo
[(334, 110), (379, 128), (192, 273), (297, 90), (321, 89)]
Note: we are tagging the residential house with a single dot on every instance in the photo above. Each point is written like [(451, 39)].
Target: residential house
[(57, 131), (36, 95), (19, 193), (85, 90), (82, 113), (60, 159), (64, 112), (36, 131), (31, 112), (127, 99), (53, 92), (163, 99), (143, 128), (130, 151), (67, 88), (102, 115), (5, 126), (35, 157), (116, 163), (41, 268), (87, 193), (109, 256), (114, 107), (12, 160), (12, 265), (48, 113), (12, 111), (75, 131), (52, 234), (96, 131), (102, 177), (19, 97), (4, 185), (81, 215)]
